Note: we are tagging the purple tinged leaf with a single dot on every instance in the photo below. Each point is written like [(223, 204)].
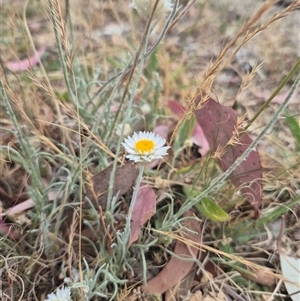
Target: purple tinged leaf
[(219, 124), (144, 209), (200, 140), (176, 108)]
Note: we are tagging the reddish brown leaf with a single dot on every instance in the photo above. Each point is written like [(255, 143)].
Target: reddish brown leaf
[(176, 269), (143, 210), (199, 139), (219, 124), (176, 108), (97, 191)]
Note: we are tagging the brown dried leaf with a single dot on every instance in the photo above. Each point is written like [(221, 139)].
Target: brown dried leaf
[(183, 288), (219, 124), (97, 190), (176, 269)]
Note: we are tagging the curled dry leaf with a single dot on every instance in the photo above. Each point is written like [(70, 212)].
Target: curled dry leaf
[(176, 269), (219, 124), (97, 192), (182, 288), (144, 209), (97, 189)]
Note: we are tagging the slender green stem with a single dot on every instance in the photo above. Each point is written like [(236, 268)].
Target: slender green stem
[(132, 203), (282, 84), (137, 186), (165, 29)]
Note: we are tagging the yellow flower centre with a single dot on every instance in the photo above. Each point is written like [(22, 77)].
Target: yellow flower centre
[(144, 146)]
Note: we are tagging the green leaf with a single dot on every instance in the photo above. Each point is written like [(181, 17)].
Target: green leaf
[(294, 127), (63, 97), (226, 248), (152, 64), (212, 210), (184, 133)]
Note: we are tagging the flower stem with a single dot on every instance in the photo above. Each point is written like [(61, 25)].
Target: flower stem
[(132, 203), (136, 188)]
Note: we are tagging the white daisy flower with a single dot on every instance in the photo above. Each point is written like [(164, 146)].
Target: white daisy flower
[(145, 146), (145, 7), (62, 294)]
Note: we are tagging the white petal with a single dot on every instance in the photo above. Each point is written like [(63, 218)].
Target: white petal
[(130, 141), (151, 135), (162, 151), (134, 158), (134, 138), (160, 143), (128, 148), (61, 294)]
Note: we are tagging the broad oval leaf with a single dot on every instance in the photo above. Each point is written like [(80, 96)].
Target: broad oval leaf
[(227, 138), (212, 210)]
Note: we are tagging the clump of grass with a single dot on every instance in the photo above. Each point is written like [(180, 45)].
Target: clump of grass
[(64, 121)]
